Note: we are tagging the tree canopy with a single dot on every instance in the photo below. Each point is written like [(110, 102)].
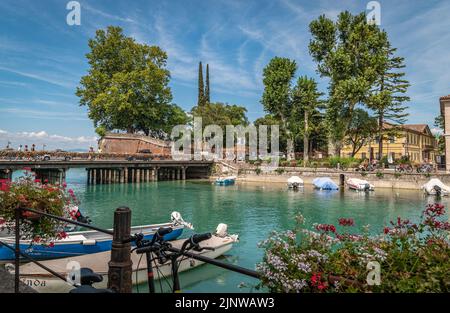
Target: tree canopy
[(126, 87), (351, 53)]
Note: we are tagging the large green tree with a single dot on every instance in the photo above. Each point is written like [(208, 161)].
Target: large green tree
[(389, 95), (306, 105), (350, 52), (221, 114), (361, 129), (126, 87), (276, 99)]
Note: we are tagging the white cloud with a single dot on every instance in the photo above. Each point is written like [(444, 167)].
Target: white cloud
[(39, 138)]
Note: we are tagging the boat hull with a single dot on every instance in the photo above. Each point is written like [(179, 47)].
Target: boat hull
[(64, 249)]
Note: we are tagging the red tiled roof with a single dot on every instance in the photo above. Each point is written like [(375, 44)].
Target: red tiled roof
[(445, 98)]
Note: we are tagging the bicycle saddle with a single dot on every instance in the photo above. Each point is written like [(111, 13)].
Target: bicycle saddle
[(88, 277)]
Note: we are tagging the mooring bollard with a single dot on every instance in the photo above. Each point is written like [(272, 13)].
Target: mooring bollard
[(120, 266)]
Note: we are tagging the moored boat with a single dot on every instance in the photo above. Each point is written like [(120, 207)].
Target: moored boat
[(436, 187), (44, 282), (359, 184), (324, 183), (86, 242), (295, 182), (224, 181)]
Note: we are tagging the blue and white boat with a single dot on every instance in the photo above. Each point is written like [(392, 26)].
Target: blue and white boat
[(85, 242), (224, 181), (324, 183)]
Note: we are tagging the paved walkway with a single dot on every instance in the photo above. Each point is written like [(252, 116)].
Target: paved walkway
[(7, 283)]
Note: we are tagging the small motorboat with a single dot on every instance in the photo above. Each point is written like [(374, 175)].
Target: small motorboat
[(359, 184), (295, 182), (435, 187), (44, 282), (324, 183), (225, 181), (86, 242)]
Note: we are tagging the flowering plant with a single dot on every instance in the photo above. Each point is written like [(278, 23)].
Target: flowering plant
[(32, 193), (412, 257)]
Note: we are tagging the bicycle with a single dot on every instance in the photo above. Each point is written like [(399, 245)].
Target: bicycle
[(164, 252)]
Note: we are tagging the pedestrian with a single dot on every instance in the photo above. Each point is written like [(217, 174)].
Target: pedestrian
[(26, 148), (33, 147), (20, 148)]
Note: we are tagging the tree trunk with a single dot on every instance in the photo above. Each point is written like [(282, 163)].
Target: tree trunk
[(306, 141), (380, 136)]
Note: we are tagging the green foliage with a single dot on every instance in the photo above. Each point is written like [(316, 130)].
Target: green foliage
[(379, 174), (350, 52), (363, 173), (361, 130), (258, 171), (439, 123), (397, 175), (388, 95), (412, 257), (126, 87), (280, 171), (221, 114), (343, 162), (296, 108), (28, 193), (201, 88)]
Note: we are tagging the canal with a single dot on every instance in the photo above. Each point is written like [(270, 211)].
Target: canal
[(249, 209)]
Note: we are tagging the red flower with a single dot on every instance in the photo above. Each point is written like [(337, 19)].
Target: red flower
[(346, 222), (2, 221), (51, 244), (37, 180), (386, 230), (326, 228)]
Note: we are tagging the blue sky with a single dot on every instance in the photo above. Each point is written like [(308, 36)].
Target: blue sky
[(42, 58)]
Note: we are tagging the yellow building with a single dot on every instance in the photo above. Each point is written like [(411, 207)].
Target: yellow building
[(413, 140)]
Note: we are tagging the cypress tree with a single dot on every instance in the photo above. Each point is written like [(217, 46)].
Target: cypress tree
[(207, 98), (201, 90)]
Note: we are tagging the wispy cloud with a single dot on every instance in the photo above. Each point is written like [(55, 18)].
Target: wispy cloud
[(38, 76)]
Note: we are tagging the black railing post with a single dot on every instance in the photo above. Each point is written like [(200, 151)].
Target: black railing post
[(120, 266), (17, 251)]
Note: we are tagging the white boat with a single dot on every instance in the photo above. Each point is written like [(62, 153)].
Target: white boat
[(436, 187), (295, 182), (224, 181), (359, 184), (44, 282), (86, 242)]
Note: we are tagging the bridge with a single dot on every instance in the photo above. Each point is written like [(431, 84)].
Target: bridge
[(110, 171)]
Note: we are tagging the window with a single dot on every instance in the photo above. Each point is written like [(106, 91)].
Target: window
[(392, 139), (363, 155)]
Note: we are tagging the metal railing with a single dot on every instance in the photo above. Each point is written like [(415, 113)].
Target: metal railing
[(120, 233)]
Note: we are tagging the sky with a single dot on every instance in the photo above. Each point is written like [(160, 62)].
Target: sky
[(42, 58)]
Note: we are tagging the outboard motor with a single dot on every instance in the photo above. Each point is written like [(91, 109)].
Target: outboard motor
[(438, 190), (295, 185), (366, 187)]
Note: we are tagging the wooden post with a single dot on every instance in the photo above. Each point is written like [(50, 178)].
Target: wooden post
[(88, 176), (120, 266), (126, 175), (183, 173)]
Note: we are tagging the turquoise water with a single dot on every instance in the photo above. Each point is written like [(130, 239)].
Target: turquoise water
[(250, 210)]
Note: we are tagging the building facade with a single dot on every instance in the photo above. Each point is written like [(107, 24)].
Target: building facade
[(445, 112), (413, 140), (133, 143)]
